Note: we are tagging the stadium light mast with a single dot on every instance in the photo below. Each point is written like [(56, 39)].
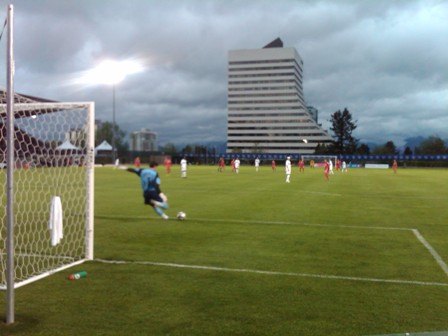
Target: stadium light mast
[(112, 73)]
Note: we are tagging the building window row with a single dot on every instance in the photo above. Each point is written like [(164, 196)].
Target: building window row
[(260, 71), (291, 94), (269, 121), (291, 67), (255, 82), (293, 114), (271, 134), (282, 60), (264, 88), (278, 101), (275, 145), (270, 82), (285, 74), (297, 139), (264, 108), (255, 128), (289, 60)]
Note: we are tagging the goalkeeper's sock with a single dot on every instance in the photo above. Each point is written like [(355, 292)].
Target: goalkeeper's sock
[(157, 204), (162, 205), (160, 213)]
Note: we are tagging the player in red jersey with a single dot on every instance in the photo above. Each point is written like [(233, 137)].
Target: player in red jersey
[(301, 166), (395, 166), (273, 165), (137, 162), (221, 165), (167, 165), (326, 170)]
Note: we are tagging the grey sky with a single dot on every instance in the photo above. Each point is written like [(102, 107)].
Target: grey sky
[(386, 61)]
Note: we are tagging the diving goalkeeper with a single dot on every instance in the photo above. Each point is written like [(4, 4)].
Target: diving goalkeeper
[(150, 181)]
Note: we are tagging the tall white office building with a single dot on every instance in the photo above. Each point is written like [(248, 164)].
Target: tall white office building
[(266, 107)]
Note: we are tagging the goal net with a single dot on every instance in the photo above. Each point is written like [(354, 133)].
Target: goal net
[(318, 160), (52, 187)]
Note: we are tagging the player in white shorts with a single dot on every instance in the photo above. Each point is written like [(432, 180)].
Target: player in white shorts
[(288, 168)]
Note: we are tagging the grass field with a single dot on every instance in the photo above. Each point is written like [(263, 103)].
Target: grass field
[(363, 254)]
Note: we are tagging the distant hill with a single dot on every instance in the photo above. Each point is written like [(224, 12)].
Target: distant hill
[(413, 142), (221, 146)]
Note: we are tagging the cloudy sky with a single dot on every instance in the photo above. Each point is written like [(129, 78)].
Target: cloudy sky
[(386, 61)]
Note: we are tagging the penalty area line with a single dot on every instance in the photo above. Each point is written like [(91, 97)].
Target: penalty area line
[(243, 221), (431, 250), (293, 274), (248, 221), (321, 193)]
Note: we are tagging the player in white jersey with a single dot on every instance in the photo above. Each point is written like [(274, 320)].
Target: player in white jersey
[(257, 164), (237, 165), (288, 168), (183, 168)]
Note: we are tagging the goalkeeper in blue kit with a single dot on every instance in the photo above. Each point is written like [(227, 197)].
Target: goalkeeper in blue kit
[(150, 182)]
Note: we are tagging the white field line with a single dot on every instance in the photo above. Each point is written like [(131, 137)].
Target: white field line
[(243, 270), (244, 221), (320, 193), (275, 191), (301, 224), (431, 250)]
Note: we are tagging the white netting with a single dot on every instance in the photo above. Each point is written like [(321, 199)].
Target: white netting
[(53, 157), (317, 159)]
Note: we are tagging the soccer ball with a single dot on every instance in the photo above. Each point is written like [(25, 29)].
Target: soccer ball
[(181, 215)]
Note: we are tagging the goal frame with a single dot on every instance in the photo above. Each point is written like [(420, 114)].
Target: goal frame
[(24, 110), (318, 158)]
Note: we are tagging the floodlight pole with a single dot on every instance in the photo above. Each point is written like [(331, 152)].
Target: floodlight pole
[(113, 124)]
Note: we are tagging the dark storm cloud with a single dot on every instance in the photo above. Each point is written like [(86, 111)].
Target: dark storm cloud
[(383, 60)]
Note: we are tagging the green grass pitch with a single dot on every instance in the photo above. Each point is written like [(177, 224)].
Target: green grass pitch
[(362, 254)]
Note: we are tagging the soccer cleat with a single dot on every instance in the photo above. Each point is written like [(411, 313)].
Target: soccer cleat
[(164, 216)]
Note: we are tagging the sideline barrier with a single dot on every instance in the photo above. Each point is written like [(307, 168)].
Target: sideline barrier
[(376, 166)]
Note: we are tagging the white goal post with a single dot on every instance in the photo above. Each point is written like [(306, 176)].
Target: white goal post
[(53, 160)]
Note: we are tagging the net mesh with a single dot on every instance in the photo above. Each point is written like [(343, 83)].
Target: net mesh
[(52, 158), (318, 159)]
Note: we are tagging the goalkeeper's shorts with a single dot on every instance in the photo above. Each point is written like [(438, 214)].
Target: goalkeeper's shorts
[(152, 196)]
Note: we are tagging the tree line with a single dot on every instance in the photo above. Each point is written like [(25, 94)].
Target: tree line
[(343, 125)]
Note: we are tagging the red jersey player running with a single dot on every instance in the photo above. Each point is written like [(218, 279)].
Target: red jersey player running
[(326, 170)]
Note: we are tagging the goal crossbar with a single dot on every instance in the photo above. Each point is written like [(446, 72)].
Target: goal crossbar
[(318, 158)]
